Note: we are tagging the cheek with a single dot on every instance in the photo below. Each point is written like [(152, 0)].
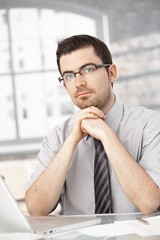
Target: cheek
[(102, 84), (70, 90)]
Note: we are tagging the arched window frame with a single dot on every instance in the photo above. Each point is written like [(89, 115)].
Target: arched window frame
[(32, 144)]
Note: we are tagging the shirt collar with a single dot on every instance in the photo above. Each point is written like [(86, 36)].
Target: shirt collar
[(114, 115)]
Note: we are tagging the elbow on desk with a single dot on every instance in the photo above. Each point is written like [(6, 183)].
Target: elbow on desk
[(33, 210), (149, 203), (33, 207), (149, 208)]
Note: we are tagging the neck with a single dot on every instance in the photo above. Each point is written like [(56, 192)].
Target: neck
[(110, 104)]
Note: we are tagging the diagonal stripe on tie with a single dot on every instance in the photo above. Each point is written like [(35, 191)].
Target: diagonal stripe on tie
[(101, 180)]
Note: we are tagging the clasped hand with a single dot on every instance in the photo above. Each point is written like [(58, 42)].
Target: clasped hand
[(89, 121)]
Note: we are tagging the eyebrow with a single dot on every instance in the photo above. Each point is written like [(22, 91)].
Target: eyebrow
[(84, 65)]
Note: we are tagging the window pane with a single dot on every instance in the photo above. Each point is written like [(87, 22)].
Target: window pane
[(24, 23), (83, 24), (70, 23), (3, 24), (49, 47), (4, 45), (26, 56), (7, 126), (25, 40), (4, 58), (48, 23), (30, 105)]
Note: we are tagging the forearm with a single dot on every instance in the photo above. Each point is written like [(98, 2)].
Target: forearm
[(44, 193), (135, 181)]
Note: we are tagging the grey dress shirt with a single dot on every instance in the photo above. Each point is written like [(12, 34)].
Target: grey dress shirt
[(138, 128)]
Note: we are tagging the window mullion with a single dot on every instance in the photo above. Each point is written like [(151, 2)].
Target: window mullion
[(13, 77)]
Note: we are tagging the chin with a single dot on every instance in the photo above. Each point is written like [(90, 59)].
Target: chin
[(85, 103), (83, 106)]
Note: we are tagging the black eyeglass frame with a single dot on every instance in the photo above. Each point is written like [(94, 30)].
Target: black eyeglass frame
[(97, 66)]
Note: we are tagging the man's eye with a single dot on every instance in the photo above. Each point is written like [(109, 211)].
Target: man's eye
[(68, 76), (89, 69)]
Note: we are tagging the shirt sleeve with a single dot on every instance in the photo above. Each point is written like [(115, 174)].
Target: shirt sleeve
[(150, 159), (50, 146)]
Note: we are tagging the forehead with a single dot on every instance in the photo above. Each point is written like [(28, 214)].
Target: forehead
[(74, 60)]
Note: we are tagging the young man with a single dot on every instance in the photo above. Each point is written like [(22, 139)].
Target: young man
[(130, 137)]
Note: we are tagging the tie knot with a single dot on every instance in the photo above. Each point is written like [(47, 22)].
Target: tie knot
[(97, 142)]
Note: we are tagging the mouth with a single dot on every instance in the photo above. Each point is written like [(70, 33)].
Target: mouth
[(83, 94)]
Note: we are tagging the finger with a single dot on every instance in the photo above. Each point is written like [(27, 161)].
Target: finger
[(93, 110), (90, 116), (96, 111)]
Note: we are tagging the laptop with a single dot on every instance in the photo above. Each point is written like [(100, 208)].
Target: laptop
[(13, 220)]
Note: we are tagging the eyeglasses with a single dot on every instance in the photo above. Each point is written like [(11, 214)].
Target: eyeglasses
[(85, 71)]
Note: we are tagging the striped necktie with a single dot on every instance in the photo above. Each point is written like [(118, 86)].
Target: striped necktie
[(101, 180)]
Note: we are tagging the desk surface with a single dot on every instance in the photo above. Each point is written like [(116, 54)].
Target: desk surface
[(107, 219), (78, 235), (110, 218)]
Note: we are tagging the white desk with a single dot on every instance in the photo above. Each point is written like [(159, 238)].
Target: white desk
[(78, 235), (108, 219)]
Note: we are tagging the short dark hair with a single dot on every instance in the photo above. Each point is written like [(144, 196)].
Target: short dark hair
[(76, 42)]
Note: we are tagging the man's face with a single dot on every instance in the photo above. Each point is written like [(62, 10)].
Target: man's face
[(93, 89)]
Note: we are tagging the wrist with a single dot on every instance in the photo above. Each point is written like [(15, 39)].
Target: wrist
[(71, 139), (107, 135)]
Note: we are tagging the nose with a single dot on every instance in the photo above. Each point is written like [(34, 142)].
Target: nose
[(80, 80)]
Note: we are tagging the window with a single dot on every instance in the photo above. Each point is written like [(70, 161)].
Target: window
[(31, 99)]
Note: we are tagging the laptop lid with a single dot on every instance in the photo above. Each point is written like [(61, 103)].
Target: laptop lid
[(12, 218)]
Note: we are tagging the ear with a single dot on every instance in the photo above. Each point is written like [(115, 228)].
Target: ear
[(112, 73)]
